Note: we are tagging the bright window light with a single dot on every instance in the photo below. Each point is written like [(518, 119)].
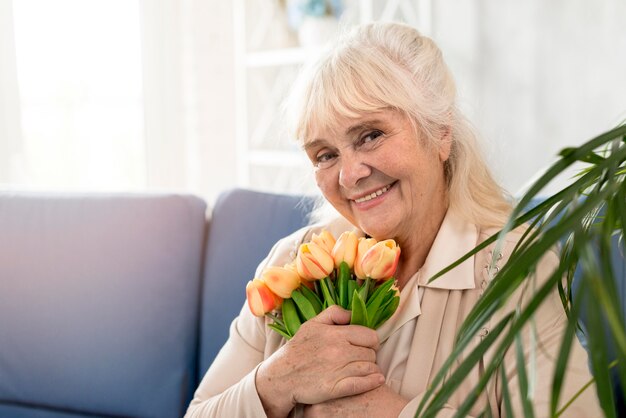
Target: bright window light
[(80, 81)]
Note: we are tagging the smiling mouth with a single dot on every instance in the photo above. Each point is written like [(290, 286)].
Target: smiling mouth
[(375, 194)]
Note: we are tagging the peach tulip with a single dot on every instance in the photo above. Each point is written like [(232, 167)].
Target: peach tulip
[(364, 245), (292, 266), (325, 240), (381, 261), (280, 280), (345, 249), (261, 299), (314, 262)]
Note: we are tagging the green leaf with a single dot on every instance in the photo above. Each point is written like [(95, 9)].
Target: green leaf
[(375, 301), (471, 360), (280, 330), (506, 394), (454, 380), (365, 289), (290, 316), (342, 284), (331, 287), (523, 379), (382, 289), (352, 286), (591, 158), (599, 360), (328, 296), (386, 311), (563, 356), (359, 312), (313, 298), (513, 274), (303, 304)]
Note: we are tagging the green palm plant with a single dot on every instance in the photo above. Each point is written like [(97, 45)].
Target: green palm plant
[(588, 217)]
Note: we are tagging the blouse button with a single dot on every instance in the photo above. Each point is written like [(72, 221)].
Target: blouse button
[(483, 332)]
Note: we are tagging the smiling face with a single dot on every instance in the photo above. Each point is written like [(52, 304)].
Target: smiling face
[(380, 176)]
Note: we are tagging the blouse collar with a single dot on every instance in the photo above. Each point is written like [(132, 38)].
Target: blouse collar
[(455, 238)]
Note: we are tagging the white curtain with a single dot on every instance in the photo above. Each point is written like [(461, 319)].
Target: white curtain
[(117, 95), (188, 77), (10, 126)]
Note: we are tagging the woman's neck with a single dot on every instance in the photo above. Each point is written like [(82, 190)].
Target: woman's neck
[(415, 249)]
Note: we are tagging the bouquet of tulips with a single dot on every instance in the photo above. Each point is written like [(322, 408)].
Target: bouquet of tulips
[(354, 273)]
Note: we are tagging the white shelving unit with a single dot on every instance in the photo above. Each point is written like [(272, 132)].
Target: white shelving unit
[(267, 59)]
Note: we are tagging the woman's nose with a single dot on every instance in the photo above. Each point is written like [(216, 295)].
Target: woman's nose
[(352, 170)]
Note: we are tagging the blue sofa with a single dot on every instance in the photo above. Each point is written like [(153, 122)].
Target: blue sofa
[(116, 305)]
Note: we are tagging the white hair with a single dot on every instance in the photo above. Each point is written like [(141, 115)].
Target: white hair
[(380, 66)]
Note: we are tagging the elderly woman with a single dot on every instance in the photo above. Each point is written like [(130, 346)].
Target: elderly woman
[(377, 118)]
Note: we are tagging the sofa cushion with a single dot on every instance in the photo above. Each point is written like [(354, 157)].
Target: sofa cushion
[(244, 226), (99, 299)]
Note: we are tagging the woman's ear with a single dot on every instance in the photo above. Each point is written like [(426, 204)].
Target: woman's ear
[(445, 144)]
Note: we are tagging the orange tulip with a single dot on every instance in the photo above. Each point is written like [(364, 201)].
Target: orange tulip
[(280, 280), (364, 245), (292, 266), (314, 262), (261, 299), (345, 249), (325, 240), (381, 261)]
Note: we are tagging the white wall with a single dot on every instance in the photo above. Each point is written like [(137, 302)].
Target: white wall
[(535, 76)]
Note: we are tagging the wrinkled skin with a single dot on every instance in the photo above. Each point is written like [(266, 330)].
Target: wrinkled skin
[(326, 360), (377, 403)]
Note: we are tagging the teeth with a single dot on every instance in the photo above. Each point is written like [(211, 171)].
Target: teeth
[(373, 195)]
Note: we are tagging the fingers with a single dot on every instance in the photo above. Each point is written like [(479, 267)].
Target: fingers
[(349, 365), (354, 385), (361, 336), (360, 354), (333, 315), (354, 334)]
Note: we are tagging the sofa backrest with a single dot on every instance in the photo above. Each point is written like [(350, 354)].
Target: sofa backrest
[(243, 228), (99, 304)]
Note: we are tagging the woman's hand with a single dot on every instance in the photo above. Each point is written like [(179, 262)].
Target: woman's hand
[(321, 362), (380, 402)]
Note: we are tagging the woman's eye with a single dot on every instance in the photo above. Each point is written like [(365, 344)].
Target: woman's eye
[(324, 158), (371, 136)]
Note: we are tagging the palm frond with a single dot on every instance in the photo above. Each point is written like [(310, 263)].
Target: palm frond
[(585, 217)]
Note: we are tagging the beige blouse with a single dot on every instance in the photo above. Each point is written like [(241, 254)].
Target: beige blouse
[(418, 338)]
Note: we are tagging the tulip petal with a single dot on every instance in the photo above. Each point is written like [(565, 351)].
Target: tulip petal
[(313, 262), (261, 299), (280, 280), (325, 240), (345, 249)]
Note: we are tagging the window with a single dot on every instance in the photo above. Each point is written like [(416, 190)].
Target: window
[(80, 89)]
